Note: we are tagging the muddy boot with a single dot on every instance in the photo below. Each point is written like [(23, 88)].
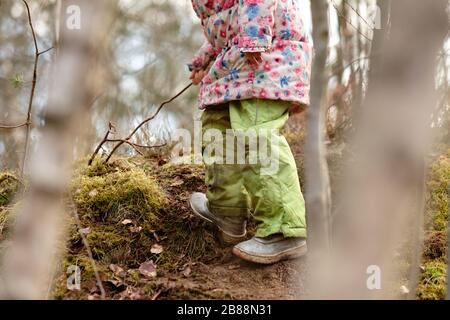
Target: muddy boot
[(232, 230), (271, 250)]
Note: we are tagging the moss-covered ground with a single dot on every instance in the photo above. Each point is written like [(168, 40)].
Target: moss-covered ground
[(434, 268), (136, 210)]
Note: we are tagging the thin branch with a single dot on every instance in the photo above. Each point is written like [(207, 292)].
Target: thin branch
[(351, 64), (89, 252), (359, 15), (137, 145), (14, 126), (37, 54), (121, 142), (349, 22), (105, 139), (45, 51)]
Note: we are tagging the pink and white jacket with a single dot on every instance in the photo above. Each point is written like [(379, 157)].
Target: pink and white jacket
[(234, 27)]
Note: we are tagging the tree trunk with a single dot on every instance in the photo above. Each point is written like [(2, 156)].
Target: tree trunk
[(33, 254), (384, 189), (317, 177)]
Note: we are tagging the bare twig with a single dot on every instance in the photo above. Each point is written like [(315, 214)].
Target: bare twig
[(105, 139), (359, 14), (137, 145), (89, 252), (45, 51), (37, 54), (120, 142), (340, 14), (13, 126)]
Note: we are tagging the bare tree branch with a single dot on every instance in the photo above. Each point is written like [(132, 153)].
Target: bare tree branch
[(120, 142), (13, 126)]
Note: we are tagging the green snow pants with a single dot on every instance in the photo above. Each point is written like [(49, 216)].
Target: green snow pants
[(239, 189)]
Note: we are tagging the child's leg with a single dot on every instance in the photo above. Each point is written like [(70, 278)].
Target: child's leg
[(226, 194), (276, 199)]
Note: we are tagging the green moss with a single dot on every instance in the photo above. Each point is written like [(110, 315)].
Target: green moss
[(9, 186), (433, 282), (437, 199), (114, 193)]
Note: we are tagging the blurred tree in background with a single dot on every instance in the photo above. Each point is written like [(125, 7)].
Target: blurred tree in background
[(153, 40)]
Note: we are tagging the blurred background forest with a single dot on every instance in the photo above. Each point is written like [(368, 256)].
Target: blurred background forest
[(152, 41)]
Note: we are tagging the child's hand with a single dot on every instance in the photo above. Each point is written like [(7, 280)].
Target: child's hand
[(254, 58), (197, 76)]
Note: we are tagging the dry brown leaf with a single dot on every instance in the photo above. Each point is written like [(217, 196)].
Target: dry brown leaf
[(85, 231), (186, 272), (127, 222), (131, 294), (148, 269), (135, 229), (93, 193), (118, 271), (116, 283), (233, 267), (157, 249)]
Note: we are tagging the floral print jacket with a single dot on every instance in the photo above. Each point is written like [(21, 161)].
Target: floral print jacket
[(234, 27)]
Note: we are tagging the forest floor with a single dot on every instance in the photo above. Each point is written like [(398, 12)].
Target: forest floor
[(189, 262), (145, 241)]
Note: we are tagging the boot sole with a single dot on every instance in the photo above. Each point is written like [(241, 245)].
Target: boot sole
[(289, 254), (224, 237)]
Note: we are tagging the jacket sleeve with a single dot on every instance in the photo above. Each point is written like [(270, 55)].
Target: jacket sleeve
[(256, 23), (203, 57)]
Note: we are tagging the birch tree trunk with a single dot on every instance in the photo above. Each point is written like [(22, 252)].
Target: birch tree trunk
[(317, 176), (31, 258)]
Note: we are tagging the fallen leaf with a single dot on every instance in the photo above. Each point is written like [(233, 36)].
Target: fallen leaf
[(116, 283), (233, 267), (93, 193), (93, 288), (156, 249), (135, 229), (127, 222), (148, 269), (85, 231), (186, 272), (118, 271), (131, 294)]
